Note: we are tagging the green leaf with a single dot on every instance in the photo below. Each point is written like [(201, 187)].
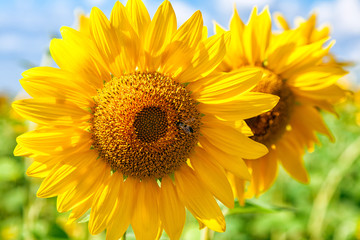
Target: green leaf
[(252, 206)]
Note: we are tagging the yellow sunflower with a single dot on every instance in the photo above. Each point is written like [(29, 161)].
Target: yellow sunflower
[(135, 124), (295, 69)]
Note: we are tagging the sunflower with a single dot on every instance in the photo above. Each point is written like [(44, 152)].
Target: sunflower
[(136, 125), (296, 69)]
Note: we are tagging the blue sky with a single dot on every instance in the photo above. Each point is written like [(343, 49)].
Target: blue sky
[(26, 26)]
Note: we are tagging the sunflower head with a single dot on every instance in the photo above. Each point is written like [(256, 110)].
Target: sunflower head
[(145, 124), (136, 125), (296, 67)]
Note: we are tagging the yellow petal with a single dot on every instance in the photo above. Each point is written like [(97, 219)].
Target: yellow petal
[(65, 176), (84, 190), (206, 59), (104, 203), (51, 111), (172, 211), (264, 171), (234, 164), (124, 209), (237, 28), (244, 106), (47, 141), (139, 16), (45, 82), (316, 78), (198, 200), (256, 36), (218, 29), (21, 151), (161, 29), (279, 55), (178, 54), (40, 169), (129, 42), (146, 220), (190, 32), (292, 161), (106, 40), (304, 57), (80, 210), (238, 186), (224, 86), (79, 40), (230, 140), (281, 21), (213, 176), (309, 117), (332, 93), (75, 58)]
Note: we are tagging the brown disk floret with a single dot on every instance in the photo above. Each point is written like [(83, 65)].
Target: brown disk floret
[(270, 126), (144, 124)]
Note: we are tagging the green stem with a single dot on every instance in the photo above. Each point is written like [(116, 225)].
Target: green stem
[(328, 188), (207, 234)]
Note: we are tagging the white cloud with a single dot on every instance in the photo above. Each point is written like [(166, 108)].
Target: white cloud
[(343, 15)]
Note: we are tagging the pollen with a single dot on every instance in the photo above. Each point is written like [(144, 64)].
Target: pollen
[(270, 126), (141, 123)]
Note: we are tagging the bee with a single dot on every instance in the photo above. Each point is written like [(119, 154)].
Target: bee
[(185, 126)]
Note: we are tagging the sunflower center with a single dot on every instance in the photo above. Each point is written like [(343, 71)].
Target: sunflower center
[(144, 124), (150, 124), (270, 126)]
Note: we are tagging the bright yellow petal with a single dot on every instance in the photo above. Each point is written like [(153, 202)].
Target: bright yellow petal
[(281, 21), (213, 176), (206, 59), (332, 93), (256, 36), (66, 176), (224, 86), (80, 210), (316, 78), (231, 141), (48, 141), (238, 186), (264, 171), (86, 188), (198, 199), (304, 57), (51, 111), (139, 16), (128, 40), (178, 54), (70, 55), (231, 163), (45, 82), (172, 211), (40, 169), (243, 107), (124, 210), (104, 203), (146, 220), (161, 29), (292, 161), (106, 41)]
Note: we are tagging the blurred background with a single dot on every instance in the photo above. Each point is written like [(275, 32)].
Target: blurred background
[(327, 208)]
